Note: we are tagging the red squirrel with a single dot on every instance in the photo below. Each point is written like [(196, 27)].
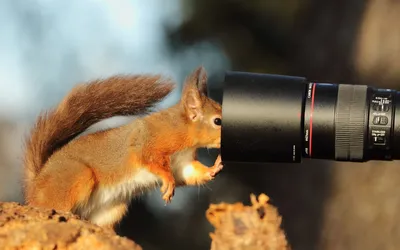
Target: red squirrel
[(96, 175)]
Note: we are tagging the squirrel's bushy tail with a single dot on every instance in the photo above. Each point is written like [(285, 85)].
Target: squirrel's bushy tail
[(86, 105)]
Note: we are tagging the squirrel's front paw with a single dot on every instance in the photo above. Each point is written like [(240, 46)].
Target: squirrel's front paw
[(214, 170), (168, 189)]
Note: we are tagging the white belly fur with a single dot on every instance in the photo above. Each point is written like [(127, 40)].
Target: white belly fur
[(123, 192), (96, 209)]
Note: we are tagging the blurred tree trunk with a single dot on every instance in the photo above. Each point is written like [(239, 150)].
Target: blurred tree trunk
[(326, 33), (378, 44)]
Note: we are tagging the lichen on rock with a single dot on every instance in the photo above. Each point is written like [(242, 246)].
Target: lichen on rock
[(247, 227), (26, 227)]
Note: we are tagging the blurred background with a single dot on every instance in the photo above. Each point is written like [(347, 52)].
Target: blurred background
[(46, 47)]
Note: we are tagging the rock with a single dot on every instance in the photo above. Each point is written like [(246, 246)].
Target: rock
[(26, 227), (247, 227)]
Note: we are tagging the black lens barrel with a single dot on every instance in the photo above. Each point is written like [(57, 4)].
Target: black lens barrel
[(396, 127), (276, 118), (262, 118), (319, 121), (381, 121), (335, 122)]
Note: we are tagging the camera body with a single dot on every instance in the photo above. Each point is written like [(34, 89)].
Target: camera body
[(277, 118)]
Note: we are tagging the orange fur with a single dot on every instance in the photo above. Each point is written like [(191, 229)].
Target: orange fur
[(96, 175), (86, 105)]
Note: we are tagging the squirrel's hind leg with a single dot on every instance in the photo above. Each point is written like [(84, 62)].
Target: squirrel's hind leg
[(109, 216), (62, 187)]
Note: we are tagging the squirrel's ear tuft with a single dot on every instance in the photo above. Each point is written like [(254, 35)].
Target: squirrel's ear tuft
[(193, 91), (201, 80), (197, 80)]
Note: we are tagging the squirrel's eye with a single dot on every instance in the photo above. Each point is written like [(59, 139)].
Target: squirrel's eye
[(217, 121)]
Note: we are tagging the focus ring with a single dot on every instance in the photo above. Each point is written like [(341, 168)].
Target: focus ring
[(350, 122)]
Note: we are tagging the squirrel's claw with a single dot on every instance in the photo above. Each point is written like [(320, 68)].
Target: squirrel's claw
[(168, 191), (216, 169)]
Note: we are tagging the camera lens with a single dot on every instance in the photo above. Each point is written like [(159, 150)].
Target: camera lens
[(276, 118)]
